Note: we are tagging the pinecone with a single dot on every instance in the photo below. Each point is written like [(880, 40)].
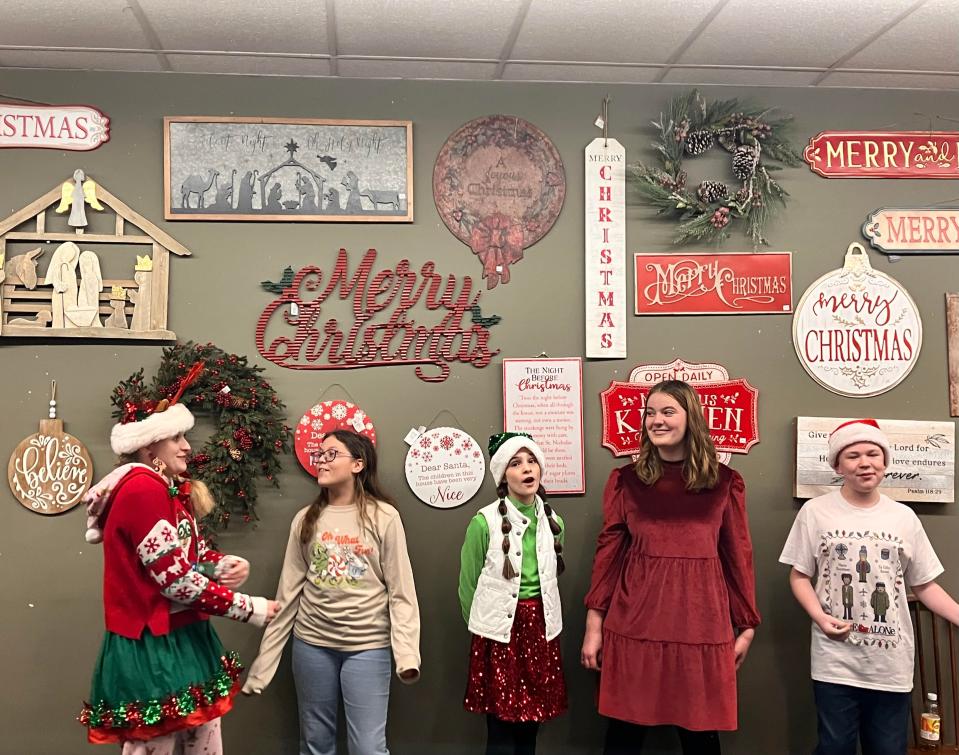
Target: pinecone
[(698, 142), (712, 191), (744, 162)]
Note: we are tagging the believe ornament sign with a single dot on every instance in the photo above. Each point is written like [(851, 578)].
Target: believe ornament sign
[(50, 470), (856, 330), (322, 419), (444, 467), (730, 407), (74, 127)]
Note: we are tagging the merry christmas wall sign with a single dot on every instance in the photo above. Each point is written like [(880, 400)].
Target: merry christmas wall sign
[(857, 331), (74, 127), (293, 331), (884, 154)]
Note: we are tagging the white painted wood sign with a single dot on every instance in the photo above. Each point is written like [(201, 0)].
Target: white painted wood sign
[(444, 467), (605, 249), (544, 397), (75, 127), (896, 230), (856, 330), (923, 459)]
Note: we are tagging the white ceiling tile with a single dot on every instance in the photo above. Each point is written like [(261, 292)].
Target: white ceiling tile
[(414, 69), (790, 33), (250, 65), (54, 23), (891, 81), (96, 61), (740, 77), (406, 28), (572, 72), (618, 31), (926, 40), (273, 26)]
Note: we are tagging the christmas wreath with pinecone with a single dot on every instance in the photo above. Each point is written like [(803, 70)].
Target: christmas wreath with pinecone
[(754, 139), (250, 431)]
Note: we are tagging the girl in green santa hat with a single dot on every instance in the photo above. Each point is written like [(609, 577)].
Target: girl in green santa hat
[(509, 594)]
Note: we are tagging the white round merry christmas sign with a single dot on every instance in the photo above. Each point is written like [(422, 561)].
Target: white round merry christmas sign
[(445, 467), (856, 330)]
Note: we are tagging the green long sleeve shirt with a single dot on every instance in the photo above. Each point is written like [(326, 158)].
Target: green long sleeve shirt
[(476, 545)]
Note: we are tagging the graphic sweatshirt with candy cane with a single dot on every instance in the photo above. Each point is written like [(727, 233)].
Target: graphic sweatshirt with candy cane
[(346, 589)]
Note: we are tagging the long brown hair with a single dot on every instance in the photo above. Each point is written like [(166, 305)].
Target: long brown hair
[(700, 465), (366, 487), (509, 572)]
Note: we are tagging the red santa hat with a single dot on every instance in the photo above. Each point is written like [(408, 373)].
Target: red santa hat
[(857, 431)]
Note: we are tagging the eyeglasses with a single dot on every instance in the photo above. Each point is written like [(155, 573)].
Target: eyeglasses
[(327, 456)]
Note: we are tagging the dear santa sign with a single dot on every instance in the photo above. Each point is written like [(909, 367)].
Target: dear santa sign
[(730, 407), (73, 127), (884, 154), (714, 284)]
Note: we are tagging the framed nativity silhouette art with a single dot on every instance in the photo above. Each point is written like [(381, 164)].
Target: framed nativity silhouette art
[(287, 169), (79, 263)]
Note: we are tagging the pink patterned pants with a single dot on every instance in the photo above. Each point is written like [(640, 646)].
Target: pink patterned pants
[(202, 740)]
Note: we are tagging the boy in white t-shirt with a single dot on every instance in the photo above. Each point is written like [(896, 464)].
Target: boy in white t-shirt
[(857, 538)]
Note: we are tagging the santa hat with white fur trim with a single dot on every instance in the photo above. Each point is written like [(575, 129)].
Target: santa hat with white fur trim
[(504, 446), (144, 421), (857, 431)]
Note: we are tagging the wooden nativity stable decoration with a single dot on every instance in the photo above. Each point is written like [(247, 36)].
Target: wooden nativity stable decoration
[(59, 291), (50, 471)]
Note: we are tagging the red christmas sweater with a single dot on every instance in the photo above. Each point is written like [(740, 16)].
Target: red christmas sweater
[(154, 563)]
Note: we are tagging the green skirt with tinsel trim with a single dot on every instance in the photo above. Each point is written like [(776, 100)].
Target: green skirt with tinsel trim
[(156, 685)]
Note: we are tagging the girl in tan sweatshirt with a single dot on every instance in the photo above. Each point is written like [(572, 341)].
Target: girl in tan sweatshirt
[(347, 595)]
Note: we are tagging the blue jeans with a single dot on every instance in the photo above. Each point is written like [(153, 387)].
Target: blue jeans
[(320, 675), (878, 720)]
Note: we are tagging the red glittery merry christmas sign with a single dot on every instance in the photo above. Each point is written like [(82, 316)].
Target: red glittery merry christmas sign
[(293, 330)]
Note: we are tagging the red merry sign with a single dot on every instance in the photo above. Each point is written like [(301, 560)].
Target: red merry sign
[(733, 283), (730, 410), (884, 154)]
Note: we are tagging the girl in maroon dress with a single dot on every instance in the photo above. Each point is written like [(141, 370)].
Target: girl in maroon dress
[(671, 608)]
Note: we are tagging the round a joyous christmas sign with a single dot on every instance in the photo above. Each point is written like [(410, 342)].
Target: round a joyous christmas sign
[(856, 330), (445, 467), (322, 419)]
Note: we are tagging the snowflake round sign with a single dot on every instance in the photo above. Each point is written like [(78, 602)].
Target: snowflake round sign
[(322, 419), (856, 330), (445, 467)]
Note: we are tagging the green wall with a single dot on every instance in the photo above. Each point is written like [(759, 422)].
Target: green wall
[(51, 578)]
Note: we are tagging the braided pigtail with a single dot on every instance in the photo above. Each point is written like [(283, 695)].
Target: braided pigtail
[(508, 571), (556, 530)]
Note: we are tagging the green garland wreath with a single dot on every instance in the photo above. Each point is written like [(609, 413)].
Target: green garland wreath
[(691, 126), (250, 430)]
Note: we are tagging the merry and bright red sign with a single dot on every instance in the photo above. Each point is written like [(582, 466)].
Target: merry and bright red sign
[(884, 154), (730, 408), (719, 284)]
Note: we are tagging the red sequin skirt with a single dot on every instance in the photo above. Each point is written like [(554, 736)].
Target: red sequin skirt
[(521, 680)]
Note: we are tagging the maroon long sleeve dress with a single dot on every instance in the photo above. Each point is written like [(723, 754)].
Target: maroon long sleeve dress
[(673, 573)]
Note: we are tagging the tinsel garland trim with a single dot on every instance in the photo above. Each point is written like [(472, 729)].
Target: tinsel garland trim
[(186, 708)]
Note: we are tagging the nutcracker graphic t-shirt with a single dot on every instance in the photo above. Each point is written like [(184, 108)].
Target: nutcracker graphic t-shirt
[(863, 560)]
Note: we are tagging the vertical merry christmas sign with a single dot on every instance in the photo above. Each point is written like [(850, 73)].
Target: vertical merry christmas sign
[(857, 331), (544, 397), (605, 249)]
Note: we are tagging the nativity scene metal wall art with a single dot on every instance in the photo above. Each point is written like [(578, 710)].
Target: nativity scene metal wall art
[(294, 169)]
